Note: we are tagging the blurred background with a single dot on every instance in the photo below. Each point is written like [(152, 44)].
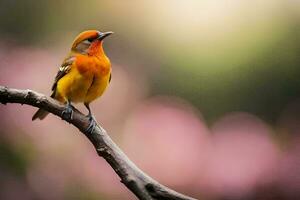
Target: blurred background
[(205, 98)]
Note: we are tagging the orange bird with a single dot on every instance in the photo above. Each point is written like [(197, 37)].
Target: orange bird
[(83, 75)]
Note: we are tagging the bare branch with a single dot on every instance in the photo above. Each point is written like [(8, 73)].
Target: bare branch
[(143, 186)]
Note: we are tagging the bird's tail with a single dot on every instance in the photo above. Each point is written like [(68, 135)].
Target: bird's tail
[(41, 114)]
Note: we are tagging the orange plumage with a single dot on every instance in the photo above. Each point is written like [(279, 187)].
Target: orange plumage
[(84, 74)]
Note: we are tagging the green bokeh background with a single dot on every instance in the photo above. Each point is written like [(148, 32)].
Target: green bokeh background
[(219, 56), (249, 63)]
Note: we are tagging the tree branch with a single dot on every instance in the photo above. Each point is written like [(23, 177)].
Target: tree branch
[(143, 186)]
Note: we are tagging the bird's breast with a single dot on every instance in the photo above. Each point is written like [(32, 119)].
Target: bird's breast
[(92, 65)]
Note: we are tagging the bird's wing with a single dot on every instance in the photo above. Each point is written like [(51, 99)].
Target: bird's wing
[(63, 70)]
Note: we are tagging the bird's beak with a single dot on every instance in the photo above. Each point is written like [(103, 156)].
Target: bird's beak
[(104, 35)]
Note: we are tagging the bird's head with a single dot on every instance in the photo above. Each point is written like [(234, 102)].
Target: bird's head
[(90, 42)]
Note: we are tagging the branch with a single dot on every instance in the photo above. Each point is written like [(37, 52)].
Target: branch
[(143, 186)]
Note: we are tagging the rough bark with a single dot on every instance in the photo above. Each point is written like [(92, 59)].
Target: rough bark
[(143, 186)]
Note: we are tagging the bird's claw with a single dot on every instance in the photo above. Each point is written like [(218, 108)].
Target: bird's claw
[(92, 124), (67, 113)]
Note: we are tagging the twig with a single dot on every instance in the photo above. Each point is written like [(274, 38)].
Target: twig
[(143, 186)]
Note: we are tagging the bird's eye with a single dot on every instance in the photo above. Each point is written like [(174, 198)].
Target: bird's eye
[(90, 39)]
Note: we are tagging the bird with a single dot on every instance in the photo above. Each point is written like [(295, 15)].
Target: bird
[(83, 75)]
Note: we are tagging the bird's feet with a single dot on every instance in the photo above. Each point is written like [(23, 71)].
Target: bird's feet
[(92, 124), (67, 113)]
